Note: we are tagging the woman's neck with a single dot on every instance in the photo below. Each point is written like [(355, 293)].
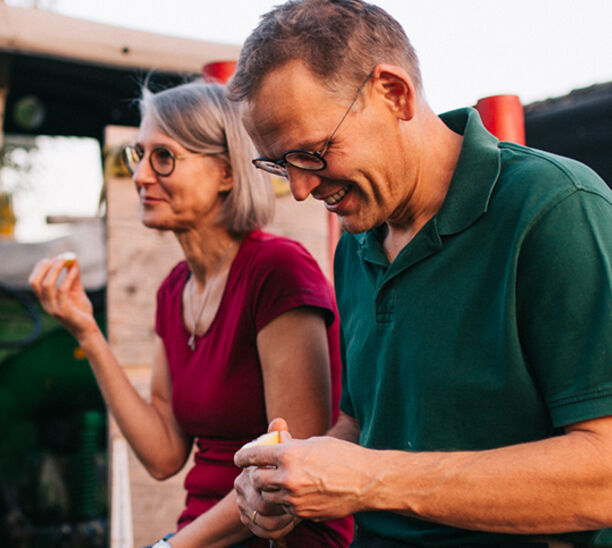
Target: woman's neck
[(205, 249)]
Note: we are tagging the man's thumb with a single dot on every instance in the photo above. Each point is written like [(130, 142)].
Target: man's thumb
[(279, 425)]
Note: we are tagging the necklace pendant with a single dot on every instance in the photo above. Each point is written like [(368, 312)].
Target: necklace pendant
[(191, 342)]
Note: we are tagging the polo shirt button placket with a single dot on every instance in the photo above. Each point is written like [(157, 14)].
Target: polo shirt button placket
[(384, 304)]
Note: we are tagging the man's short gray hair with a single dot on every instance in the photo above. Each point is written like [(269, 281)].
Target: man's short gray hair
[(200, 118), (340, 41)]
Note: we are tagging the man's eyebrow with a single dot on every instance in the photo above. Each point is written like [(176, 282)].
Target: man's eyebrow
[(266, 128), (309, 146), (312, 144)]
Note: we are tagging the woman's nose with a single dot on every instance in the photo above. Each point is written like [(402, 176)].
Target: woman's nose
[(144, 174)]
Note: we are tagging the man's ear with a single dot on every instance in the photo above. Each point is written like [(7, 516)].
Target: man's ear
[(396, 88)]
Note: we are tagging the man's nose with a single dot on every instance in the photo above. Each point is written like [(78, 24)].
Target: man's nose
[(302, 182)]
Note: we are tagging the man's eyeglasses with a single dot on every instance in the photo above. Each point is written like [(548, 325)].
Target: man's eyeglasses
[(305, 159), (161, 160)]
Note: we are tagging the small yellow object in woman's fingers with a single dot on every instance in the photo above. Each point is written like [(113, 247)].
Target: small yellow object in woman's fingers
[(69, 258)]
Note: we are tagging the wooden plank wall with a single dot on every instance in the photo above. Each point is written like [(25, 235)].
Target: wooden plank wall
[(138, 260)]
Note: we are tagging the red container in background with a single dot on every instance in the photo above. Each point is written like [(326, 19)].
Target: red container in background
[(503, 116), (219, 71)]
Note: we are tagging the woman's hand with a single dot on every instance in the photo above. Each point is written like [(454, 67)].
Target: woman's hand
[(67, 302)]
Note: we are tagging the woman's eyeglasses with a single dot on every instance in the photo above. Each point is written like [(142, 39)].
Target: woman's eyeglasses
[(161, 160)]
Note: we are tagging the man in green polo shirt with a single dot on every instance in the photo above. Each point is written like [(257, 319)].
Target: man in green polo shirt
[(474, 283)]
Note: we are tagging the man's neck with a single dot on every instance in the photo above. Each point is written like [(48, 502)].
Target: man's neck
[(440, 148)]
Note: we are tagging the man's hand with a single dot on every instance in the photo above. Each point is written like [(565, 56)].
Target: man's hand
[(264, 520), (319, 478)]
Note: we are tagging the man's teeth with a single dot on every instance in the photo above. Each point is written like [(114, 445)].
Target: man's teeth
[(335, 198)]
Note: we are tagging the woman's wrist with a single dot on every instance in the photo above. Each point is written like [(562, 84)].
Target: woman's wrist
[(88, 338), (162, 543)]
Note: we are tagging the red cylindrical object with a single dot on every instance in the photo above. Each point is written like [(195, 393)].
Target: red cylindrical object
[(219, 71), (503, 116)]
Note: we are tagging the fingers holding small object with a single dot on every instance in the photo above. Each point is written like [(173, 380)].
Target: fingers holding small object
[(44, 280), (46, 266), (73, 273), (269, 526), (275, 521), (49, 281), (68, 257), (38, 273), (45, 275), (257, 455), (274, 497), (269, 438), (259, 517)]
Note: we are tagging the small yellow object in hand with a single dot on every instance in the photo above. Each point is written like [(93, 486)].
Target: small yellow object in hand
[(270, 438), (69, 258)]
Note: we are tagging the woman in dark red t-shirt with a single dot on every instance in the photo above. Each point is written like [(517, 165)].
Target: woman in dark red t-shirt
[(247, 325)]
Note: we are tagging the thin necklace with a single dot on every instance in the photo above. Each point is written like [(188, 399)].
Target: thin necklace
[(194, 322)]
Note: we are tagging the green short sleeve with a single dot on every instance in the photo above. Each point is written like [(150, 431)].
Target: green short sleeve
[(565, 306)]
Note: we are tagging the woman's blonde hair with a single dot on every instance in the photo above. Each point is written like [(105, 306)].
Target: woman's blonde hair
[(200, 118)]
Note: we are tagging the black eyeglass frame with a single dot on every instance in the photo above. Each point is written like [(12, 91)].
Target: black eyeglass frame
[(140, 153), (277, 167)]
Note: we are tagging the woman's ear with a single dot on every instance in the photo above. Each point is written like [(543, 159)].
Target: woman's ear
[(397, 89), (227, 181)]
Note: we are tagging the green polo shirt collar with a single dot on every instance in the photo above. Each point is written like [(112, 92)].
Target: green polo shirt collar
[(468, 195)]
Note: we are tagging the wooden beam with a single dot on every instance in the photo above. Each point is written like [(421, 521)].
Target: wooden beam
[(48, 33)]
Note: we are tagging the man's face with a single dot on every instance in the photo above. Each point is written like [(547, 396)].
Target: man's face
[(363, 183)]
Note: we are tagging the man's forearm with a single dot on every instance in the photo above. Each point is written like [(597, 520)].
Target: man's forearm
[(558, 485)]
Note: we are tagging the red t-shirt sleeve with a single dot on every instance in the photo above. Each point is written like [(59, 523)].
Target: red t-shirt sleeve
[(285, 277)]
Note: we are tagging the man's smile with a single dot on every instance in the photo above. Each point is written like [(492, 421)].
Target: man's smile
[(334, 198)]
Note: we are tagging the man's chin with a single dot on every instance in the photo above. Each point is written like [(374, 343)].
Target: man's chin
[(352, 226)]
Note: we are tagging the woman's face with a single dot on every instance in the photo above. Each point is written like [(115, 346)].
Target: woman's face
[(187, 198)]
